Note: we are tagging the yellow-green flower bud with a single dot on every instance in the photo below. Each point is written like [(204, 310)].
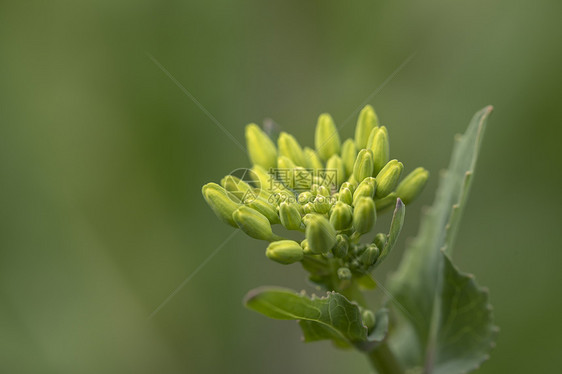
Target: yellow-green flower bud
[(289, 147), (348, 155), (320, 234), (335, 164), (304, 246), (369, 257), (341, 247), (305, 197), (324, 191), (222, 202), (312, 159), (365, 189), (365, 123), (254, 224), (368, 318), (348, 185), (322, 204), (363, 166), (386, 202), (412, 185), (380, 239), (309, 208), (364, 215), (265, 208), (346, 196), (238, 187), (260, 147), (344, 273), (284, 251), (341, 216), (326, 139), (379, 144), (388, 178), (290, 216)]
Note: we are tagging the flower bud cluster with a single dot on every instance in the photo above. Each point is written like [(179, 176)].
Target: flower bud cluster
[(331, 194)]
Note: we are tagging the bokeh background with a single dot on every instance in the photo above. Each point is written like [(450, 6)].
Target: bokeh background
[(102, 158)]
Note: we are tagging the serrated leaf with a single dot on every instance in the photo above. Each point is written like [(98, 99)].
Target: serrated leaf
[(430, 289), (332, 317)]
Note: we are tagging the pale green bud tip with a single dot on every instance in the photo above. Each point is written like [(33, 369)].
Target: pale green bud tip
[(348, 155), (320, 234), (379, 144), (365, 123), (364, 215), (363, 166), (388, 177), (221, 202), (290, 216), (335, 163), (261, 149), (284, 251), (365, 189), (312, 159), (341, 216), (344, 273), (380, 240), (412, 185), (253, 223), (368, 318), (326, 139), (290, 147)]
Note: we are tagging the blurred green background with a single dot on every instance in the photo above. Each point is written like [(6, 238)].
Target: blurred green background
[(102, 158)]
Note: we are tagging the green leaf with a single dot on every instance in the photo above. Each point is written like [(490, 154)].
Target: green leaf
[(327, 318), (445, 310), (395, 228)]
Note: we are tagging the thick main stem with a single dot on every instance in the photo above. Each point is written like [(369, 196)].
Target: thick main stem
[(383, 359)]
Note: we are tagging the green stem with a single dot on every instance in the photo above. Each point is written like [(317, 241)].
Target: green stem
[(382, 359)]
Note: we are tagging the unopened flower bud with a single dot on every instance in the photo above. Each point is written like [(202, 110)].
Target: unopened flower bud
[(380, 240), (260, 147), (322, 204), (345, 196), (368, 318), (284, 251), (312, 159), (379, 144), (326, 139), (348, 185), (264, 207), (388, 177), (308, 208), (234, 184), (364, 215), (290, 216), (320, 234), (365, 189), (412, 185), (324, 191), (341, 216), (221, 202), (369, 257), (254, 224), (289, 147), (348, 155), (365, 123), (335, 165), (305, 197), (344, 273), (363, 166), (341, 247)]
